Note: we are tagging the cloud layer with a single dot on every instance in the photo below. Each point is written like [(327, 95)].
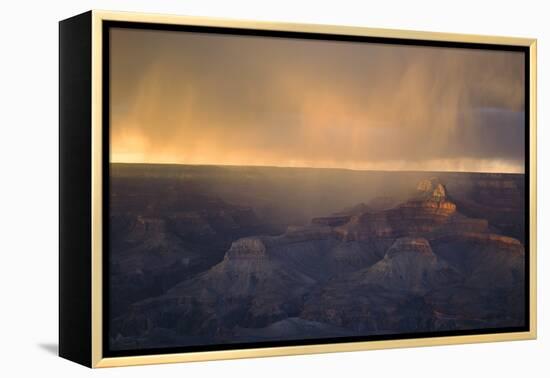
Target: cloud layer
[(217, 99)]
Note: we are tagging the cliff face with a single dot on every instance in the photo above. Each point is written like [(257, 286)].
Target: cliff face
[(500, 200), (409, 265), (156, 247), (424, 264), (428, 209)]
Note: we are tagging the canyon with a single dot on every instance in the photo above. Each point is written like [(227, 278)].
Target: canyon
[(209, 255)]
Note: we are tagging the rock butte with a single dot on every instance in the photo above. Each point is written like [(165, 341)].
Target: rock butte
[(432, 262)]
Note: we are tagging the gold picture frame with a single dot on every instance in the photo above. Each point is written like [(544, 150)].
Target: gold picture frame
[(88, 330)]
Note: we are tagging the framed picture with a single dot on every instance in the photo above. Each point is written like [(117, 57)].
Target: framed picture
[(236, 189)]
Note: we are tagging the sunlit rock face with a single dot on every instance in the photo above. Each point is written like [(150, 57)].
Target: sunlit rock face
[(428, 209), (432, 187), (388, 265), (432, 191)]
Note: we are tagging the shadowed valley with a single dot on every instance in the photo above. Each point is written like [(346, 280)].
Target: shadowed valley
[(205, 255)]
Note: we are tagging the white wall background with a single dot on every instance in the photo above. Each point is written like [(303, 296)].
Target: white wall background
[(28, 197)]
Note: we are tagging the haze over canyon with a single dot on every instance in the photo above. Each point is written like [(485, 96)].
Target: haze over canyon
[(207, 255)]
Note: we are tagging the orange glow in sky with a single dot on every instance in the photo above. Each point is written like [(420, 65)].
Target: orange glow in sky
[(195, 98)]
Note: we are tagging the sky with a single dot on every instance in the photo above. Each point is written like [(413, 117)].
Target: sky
[(195, 98)]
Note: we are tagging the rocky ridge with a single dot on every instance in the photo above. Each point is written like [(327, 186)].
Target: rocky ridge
[(421, 265)]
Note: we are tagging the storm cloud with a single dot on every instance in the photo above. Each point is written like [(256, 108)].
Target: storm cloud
[(198, 98)]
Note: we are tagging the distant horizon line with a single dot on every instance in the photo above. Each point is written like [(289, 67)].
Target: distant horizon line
[(304, 167)]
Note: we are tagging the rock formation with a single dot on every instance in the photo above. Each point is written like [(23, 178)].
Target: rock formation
[(437, 261)]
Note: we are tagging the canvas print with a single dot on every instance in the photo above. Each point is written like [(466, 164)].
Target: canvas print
[(297, 190)]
